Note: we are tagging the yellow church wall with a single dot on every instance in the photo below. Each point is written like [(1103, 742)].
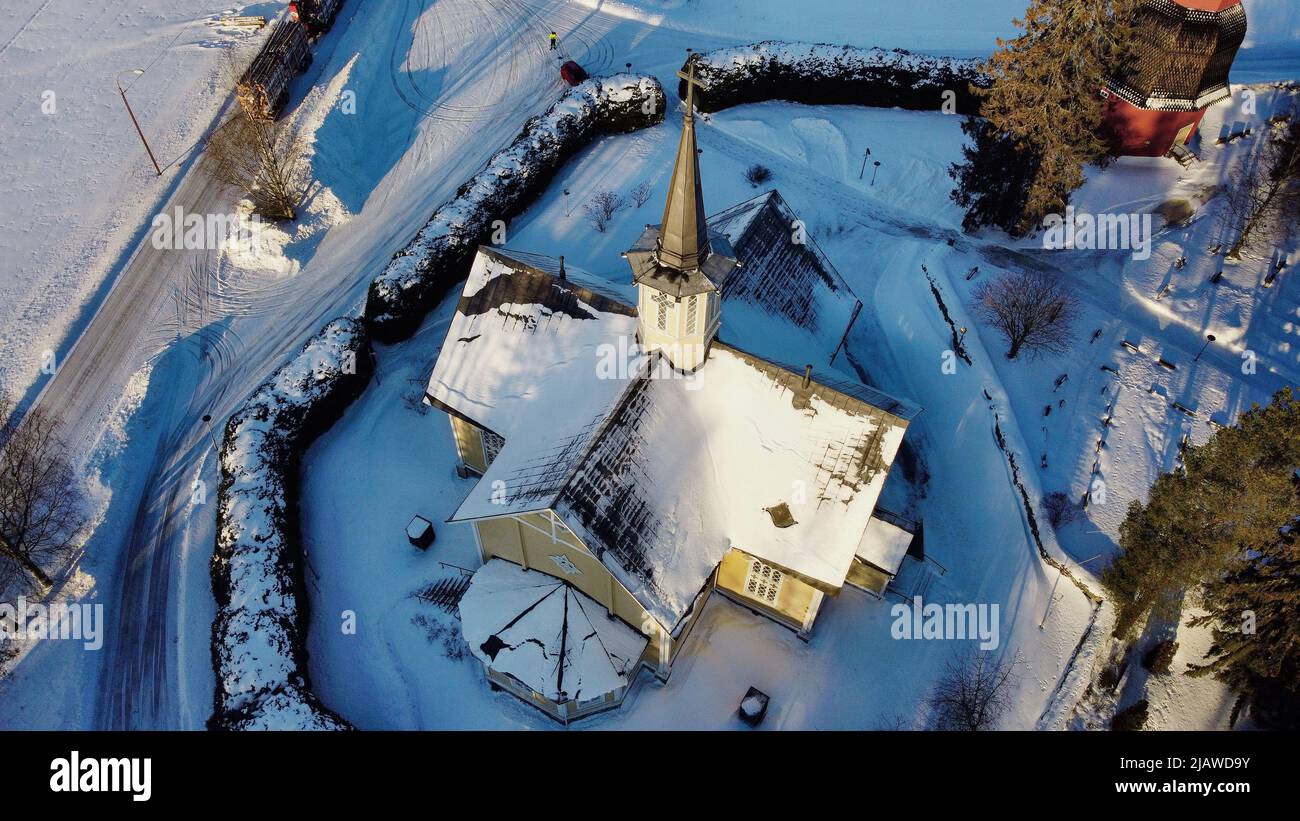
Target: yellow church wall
[(793, 601), (469, 443), (526, 541)]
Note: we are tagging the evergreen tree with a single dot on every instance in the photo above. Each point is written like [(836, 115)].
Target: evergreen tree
[(1254, 612), (1042, 112), (1231, 499)]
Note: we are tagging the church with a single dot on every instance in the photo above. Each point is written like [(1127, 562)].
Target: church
[(632, 461), (1184, 51)]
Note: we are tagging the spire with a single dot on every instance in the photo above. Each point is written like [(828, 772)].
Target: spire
[(683, 234)]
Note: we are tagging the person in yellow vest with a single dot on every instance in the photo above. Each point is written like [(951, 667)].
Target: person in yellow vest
[(554, 41)]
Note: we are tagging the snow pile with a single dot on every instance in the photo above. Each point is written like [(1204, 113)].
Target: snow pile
[(257, 638), (419, 274), (829, 74)]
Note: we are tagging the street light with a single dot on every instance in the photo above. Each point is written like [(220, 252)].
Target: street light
[(1051, 598), (120, 90), (1208, 339), (207, 420)]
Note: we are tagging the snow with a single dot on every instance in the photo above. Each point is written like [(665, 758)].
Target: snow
[(256, 636), (74, 167), (430, 110), (639, 464), (492, 193), (884, 545), (553, 638)]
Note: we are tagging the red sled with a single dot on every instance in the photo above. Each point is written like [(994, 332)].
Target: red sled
[(572, 73)]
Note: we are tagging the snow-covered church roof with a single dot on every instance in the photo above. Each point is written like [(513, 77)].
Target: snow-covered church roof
[(658, 473), (540, 631)]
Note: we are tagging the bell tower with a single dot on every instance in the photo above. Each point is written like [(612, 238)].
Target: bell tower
[(678, 266)]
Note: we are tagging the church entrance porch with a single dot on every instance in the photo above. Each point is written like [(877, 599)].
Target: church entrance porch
[(769, 589)]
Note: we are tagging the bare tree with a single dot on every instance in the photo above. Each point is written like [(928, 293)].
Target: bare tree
[(1033, 310), (41, 505), (757, 174), (602, 207), (265, 160), (641, 193), (974, 691), (1060, 509), (1265, 196)]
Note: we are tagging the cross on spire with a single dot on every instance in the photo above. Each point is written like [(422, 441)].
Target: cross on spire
[(691, 83)]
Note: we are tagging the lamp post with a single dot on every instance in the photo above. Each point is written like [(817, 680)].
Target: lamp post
[(207, 420), (1208, 339), (136, 123), (1051, 599)]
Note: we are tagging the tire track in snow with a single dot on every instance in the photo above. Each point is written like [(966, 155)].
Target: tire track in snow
[(24, 27)]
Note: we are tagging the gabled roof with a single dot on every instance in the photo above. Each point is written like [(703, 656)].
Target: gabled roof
[(1182, 57), (554, 639), (686, 468), (658, 473), (784, 275), (507, 365)]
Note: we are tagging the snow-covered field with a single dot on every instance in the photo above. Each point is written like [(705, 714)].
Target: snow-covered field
[(439, 86)]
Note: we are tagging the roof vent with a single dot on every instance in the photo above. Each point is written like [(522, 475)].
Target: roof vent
[(780, 514)]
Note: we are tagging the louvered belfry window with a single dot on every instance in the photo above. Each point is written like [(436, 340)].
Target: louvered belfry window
[(662, 319)]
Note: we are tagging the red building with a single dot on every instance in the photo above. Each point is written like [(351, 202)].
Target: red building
[(1185, 49)]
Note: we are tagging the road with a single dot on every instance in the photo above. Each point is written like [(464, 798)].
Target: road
[(448, 82), (466, 75)]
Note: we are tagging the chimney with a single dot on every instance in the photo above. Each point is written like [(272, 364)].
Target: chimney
[(562, 273), (807, 376)]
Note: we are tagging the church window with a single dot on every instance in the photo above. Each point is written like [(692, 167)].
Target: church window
[(763, 582), (662, 319), (491, 446), (690, 314)]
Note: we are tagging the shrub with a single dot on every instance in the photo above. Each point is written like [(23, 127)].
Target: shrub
[(1161, 657), (1059, 509), (602, 207), (1131, 718), (757, 174)]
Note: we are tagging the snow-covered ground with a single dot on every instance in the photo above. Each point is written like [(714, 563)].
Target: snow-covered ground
[(439, 86), (879, 236), (852, 673), (78, 188)]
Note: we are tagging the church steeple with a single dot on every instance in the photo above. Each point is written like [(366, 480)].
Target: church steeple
[(678, 267), (683, 233)]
